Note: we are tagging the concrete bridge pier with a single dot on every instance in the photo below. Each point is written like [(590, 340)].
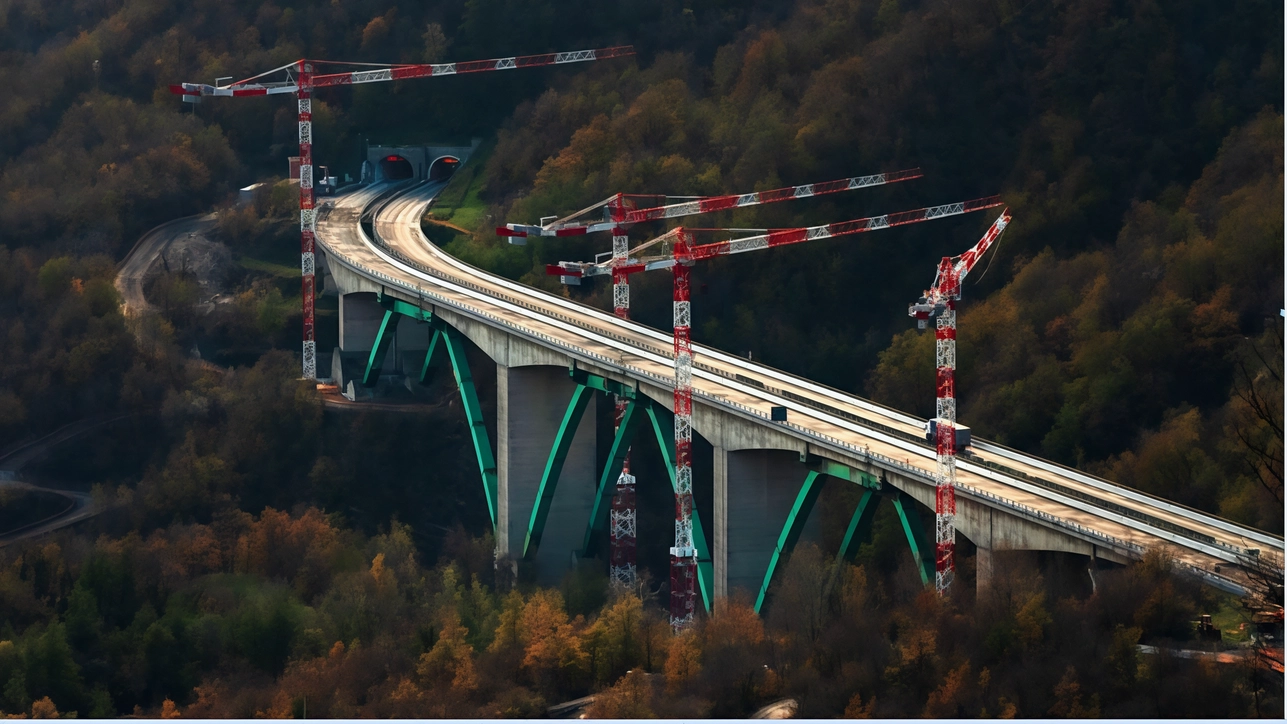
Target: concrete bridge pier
[(983, 571), (360, 316), (761, 486), (531, 403)]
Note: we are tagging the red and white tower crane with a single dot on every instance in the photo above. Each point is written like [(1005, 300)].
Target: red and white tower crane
[(939, 303), (678, 253), (620, 211), (301, 80), (622, 529)]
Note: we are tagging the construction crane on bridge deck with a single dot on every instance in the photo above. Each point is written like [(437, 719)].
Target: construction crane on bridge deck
[(939, 303), (619, 212), (678, 253), (301, 80)]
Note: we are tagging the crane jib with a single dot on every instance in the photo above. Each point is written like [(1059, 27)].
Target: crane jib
[(795, 236)]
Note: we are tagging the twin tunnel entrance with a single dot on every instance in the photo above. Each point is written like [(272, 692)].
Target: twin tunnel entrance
[(397, 168)]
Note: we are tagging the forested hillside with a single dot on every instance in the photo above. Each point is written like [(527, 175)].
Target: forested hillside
[(1138, 143), (262, 556)]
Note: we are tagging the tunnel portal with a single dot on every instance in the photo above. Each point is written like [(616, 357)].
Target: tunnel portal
[(396, 168), (443, 168)]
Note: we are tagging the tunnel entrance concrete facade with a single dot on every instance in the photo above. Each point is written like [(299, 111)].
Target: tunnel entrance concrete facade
[(426, 162)]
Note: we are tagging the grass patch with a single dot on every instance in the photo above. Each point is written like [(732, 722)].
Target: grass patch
[(1228, 617), (270, 267), (460, 203)]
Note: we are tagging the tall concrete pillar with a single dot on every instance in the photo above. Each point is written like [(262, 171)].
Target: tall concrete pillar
[(531, 402), (719, 542), (762, 487), (983, 570), (502, 462), (360, 317)]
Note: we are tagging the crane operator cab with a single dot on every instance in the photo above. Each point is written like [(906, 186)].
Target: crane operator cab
[(962, 433), (923, 311)]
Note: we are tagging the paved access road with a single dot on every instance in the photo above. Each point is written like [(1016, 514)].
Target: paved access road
[(79, 505), (134, 268)]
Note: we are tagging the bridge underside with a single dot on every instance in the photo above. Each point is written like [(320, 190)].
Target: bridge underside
[(550, 479)]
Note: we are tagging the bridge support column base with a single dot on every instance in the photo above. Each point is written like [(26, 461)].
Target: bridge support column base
[(983, 570), (719, 558), (531, 406), (766, 485)]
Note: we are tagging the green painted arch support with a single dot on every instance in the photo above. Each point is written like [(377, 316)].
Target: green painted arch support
[(383, 336), (426, 370), (602, 384), (474, 416), (406, 309), (803, 506), (859, 529), (596, 528), (790, 534), (445, 336), (914, 529), (705, 564), (581, 396)]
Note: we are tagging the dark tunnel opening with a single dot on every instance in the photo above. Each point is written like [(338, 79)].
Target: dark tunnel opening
[(443, 168), (396, 168)]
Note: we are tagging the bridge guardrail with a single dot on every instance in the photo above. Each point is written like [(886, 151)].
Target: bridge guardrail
[(664, 381)]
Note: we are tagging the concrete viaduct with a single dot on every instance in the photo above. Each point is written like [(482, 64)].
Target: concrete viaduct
[(548, 491)]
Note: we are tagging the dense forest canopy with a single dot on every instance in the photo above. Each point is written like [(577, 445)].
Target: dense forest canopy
[(1127, 323)]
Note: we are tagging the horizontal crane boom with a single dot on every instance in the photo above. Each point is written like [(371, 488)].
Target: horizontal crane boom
[(250, 87), (683, 251), (618, 215)]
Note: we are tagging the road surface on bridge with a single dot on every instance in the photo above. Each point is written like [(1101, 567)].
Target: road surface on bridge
[(401, 254)]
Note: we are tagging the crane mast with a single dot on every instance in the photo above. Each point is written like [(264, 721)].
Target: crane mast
[(939, 303), (303, 83), (622, 529)]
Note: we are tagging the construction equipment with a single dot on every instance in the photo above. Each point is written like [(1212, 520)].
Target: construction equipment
[(301, 80), (939, 303), (677, 252), (619, 212), (622, 209)]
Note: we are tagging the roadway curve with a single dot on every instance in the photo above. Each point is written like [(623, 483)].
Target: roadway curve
[(401, 254), (134, 268), (79, 505)]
